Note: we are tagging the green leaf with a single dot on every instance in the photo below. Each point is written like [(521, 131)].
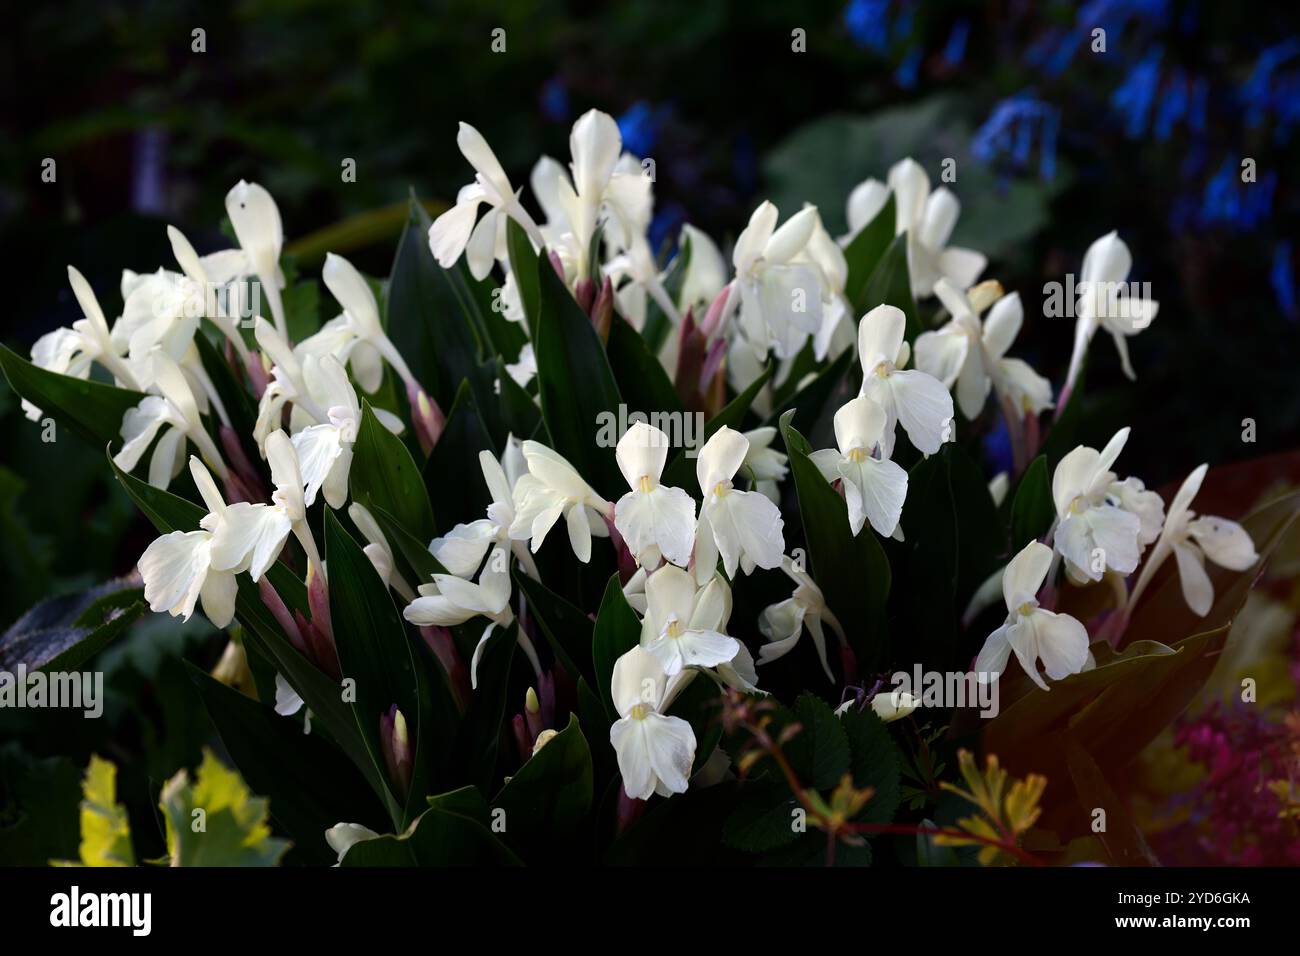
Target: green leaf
[(452, 832), (105, 829), (519, 413), (891, 284), (831, 388), (1121, 836), (452, 474), (641, 378), (235, 832), (1032, 509), (374, 651), (574, 382), (851, 571), (565, 626), (385, 476), (62, 633), (765, 819), (42, 797), (547, 802), (864, 253), (310, 784), (617, 631), (91, 409), (874, 763), (524, 265), (822, 746), (479, 737), (431, 312)]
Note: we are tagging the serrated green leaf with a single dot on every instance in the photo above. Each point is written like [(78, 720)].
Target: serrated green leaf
[(234, 829)]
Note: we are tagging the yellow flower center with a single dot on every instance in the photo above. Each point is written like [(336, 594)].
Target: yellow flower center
[(721, 488), (647, 483), (674, 628), (1025, 609), (639, 711), (857, 455)]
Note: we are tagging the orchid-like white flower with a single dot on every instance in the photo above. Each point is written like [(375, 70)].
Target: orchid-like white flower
[(893, 705), (822, 253), (1094, 532), (863, 205), (743, 526), (1191, 540), (325, 449), (200, 273), (971, 356), (605, 183), (917, 401), (378, 550), (778, 299), (683, 623), (783, 623), (657, 522), (72, 351), (450, 600), (462, 549), (253, 534), (874, 487), (175, 414), (357, 336), (1034, 633), (928, 219), (706, 270), (766, 465), (455, 231), (551, 489), (256, 220), (655, 751), (179, 568), (1104, 302)]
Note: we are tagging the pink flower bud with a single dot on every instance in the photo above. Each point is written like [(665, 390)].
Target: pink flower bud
[(399, 757), (426, 416), (275, 604)]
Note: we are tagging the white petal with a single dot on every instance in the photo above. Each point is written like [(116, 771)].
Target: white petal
[(637, 679), (642, 453), (1224, 542), (880, 336), (924, 409), (173, 568), (318, 447), (663, 518), (1024, 575), (249, 536), (992, 659), (1198, 590), (720, 458), (218, 596)]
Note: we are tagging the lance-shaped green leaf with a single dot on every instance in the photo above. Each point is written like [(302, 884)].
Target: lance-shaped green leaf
[(432, 312), (385, 476), (1032, 510), (235, 831), (565, 626), (574, 382), (454, 831), (891, 284), (452, 474), (617, 631), (523, 265), (91, 409), (62, 633), (851, 571), (547, 802), (863, 254), (375, 653), (642, 381), (310, 784)]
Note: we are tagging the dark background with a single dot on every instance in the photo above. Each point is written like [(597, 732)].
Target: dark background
[(1055, 146)]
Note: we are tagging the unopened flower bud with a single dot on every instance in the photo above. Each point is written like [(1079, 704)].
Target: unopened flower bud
[(396, 743), (426, 416)]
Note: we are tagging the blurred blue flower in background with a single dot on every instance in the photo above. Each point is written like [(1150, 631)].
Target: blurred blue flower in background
[(1009, 134), (640, 126), (1227, 201), (954, 50), (868, 23), (1282, 278), (555, 100)]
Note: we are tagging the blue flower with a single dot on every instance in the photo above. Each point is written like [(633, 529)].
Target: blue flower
[(868, 23), (1282, 277), (555, 100), (639, 127), (1011, 131)]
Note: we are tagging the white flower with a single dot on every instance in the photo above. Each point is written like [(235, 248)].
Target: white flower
[(928, 219), (657, 522), (894, 705), (343, 836), (655, 752), (743, 526), (918, 401), (378, 550), (356, 336), (765, 463), (553, 488), (971, 356), (1035, 634), (874, 487), (256, 221), (1094, 532), (1104, 303), (683, 625), (1191, 540), (325, 449), (706, 272), (783, 623), (253, 535), (863, 205), (71, 351), (178, 568), (779, 299), (462, 549), (524, 369), (450, 600), (827, 258), (175, 413), (287, 701)]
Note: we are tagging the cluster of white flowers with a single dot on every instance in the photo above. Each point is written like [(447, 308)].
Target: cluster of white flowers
[(787, 290)]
